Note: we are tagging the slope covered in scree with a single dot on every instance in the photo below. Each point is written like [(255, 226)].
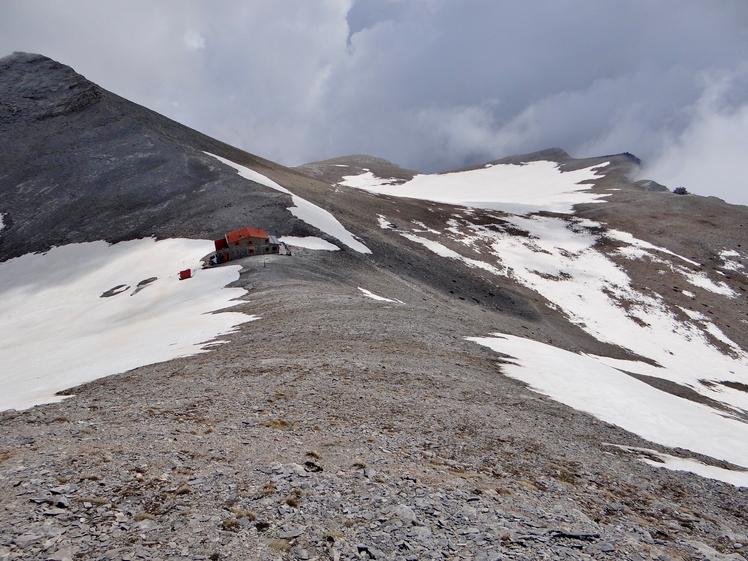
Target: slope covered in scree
[(498, 380), (685, 386)]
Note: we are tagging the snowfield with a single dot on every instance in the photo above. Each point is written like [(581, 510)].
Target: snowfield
[(84, 311), (587, 384), (559, 258), (519, 189), (309, 242)]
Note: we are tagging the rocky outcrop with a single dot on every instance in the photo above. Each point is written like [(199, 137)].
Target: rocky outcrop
[(34, 87)]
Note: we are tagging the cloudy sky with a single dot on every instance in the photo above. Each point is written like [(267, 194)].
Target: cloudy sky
[(429, 84)]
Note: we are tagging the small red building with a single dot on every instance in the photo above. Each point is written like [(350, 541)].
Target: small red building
[(243, 243)]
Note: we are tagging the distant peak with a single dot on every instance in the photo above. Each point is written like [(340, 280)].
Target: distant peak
[(566, 162), (34, 87), (631, 157), (356, 160), (334, 169)]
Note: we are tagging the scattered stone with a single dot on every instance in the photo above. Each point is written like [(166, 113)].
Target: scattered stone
[(54, 512), (575, 535), (119, 289), (26, 540), (487, 555), (63, 553), (291, 532), (404, 513), (147, 525)]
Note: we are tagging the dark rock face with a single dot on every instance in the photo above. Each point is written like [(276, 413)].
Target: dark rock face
[(78, 163), (34, 87)]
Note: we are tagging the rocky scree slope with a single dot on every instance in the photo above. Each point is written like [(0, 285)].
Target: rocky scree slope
[(338, 427)]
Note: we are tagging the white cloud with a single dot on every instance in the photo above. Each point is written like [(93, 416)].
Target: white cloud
[(194, 40), (709, 156)]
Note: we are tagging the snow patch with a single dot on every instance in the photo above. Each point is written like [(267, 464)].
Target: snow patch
[(733, 266), (58, 329), (633, 242), (384, 223), (639, 249), (302, 209), (559, 261), (703, 281), (367, 181), (373, 296), (737, 478), (310, 242), (520, 189), (694, 314), (586, 384), (444, 251)]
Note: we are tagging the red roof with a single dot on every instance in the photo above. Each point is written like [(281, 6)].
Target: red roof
[(237, 235)]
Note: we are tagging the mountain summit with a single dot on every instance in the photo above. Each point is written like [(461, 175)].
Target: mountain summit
[(35, 88), (535, 358)]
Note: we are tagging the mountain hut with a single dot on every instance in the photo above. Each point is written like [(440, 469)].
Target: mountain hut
[(243, 243)]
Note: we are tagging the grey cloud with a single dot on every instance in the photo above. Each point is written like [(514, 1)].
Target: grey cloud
[(708, 155), (367, 13)]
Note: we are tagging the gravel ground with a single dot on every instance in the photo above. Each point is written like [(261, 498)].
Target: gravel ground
[(339, 427)]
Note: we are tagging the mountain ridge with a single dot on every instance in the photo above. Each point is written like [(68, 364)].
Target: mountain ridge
[(364, 413)]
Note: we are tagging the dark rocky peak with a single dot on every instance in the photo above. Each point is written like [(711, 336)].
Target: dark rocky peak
[(567, 163), (34, 87), (549, 154)]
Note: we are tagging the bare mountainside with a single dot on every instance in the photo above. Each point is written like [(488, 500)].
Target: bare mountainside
[(369, 411)]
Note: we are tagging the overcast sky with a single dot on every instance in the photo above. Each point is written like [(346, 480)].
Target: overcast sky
[(429, 84)]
